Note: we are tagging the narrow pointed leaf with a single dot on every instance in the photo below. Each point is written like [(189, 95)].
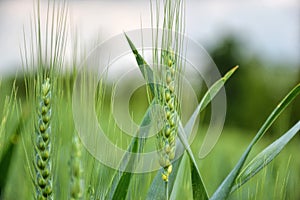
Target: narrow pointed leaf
[(121, 180), (199, 190), (265, 157), (146, 70), (224, 189), (209, 95), (177, 187), (6, 159), (120, 183)]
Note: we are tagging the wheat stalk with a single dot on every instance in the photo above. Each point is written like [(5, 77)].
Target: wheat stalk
[(42, 163)]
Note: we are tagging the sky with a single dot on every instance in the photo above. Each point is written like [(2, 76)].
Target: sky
[(269, 29)]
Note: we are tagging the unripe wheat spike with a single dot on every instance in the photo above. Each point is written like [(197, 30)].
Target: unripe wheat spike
[(42, 163), (76, 170), (166, 137)]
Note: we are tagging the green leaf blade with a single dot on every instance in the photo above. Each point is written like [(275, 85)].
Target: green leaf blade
[(121, 180), (208, 96), (265, 157), (224, 189), (199, 190), (145, 69)]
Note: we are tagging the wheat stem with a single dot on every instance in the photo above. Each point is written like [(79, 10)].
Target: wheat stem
[(167, 190)]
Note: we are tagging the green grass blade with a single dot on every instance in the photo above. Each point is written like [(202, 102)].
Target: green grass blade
[(5, 165), (198, 187), (177, 187), (146, 70), (7, 156), (209, 95), (121, 180), (265, 157), (224, 189), (199, 190), (277, 111)]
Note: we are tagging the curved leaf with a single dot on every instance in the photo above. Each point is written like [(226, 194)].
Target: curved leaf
[(6, 159), (224, 189), (146, 70), (208, 96), (199, 190), (121, 180), (265, 157)]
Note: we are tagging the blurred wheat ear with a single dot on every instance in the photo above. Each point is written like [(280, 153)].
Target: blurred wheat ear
[(76, 186)]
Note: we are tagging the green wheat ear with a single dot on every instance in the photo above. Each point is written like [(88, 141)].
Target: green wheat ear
[(167, 98), (76, 170), (43, 168)]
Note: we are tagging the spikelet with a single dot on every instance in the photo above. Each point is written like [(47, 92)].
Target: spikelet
[(42, 163), (166, 137), (76, 170)]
